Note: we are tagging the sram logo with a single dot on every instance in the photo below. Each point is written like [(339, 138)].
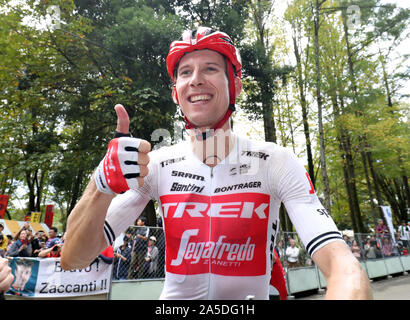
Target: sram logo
[(220, 234)]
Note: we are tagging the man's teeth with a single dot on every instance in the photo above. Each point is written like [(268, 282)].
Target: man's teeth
[(198, 98)]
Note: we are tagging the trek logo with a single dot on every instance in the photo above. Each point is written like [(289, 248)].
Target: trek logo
[(171, 161), (256, 154), (219, 234), (237, 209)]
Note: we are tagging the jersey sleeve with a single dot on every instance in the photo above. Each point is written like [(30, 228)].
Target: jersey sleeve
[(126, 208), (292, 185)]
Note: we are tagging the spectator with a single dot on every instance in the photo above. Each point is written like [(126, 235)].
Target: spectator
[(11, 241), (347, 240), (151, 257), (52, 238), (2, 251), (381, 228), (5, 241), (53, 252), (292, 254), (122, 258), (21, 247), (139, 249), (356, 249), (404, 231), (280, 250), (387, 248), (370, 248), (38, 243)]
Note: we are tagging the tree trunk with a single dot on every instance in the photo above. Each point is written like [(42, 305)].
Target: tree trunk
[(303, 104), (320, 117), (362, 138)]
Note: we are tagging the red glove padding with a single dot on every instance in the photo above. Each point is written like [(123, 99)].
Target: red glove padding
[(119, 169)]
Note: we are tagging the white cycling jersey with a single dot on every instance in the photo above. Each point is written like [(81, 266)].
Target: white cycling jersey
[(220, 222)]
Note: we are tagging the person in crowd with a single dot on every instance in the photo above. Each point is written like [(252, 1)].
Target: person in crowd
[(373, 250), (292, 254), (404, 231), (52, 237), (122, 259), (356, 249), (38, 242), (280, 250), (11, 241), (381, 228), (387, 247), (21, 247), (151, 258), (347, 240), (4, 240), (2, 251), (53, 252), (139, 249)]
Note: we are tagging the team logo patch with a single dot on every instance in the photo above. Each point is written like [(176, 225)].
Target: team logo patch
[(222, 234)]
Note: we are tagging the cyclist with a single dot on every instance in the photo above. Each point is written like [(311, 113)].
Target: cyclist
[(219, 193)]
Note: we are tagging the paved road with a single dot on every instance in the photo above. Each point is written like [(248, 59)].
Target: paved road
[(396, 288)]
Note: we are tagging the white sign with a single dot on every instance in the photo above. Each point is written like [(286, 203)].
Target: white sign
[(389, 219), (44, 278)]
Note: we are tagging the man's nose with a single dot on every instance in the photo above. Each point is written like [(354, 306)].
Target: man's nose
[(196, 78)]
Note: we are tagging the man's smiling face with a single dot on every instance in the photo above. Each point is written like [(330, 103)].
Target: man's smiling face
[(203, 87)]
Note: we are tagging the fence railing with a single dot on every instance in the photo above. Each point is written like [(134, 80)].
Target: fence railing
[(139, 259), (140, 254), (136, 257)]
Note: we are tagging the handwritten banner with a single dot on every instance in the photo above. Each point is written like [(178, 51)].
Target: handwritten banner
[(44, 278)]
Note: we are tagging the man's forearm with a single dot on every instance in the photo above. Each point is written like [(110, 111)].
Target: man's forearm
[(350, 283), (84, 238), (345, 277)]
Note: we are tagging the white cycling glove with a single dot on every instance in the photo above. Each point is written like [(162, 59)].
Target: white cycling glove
[(119, 169)]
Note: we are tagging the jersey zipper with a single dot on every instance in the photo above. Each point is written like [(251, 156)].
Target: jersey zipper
[(210, 230)]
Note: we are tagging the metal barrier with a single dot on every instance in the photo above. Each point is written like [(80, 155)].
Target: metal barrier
[(139, 266), (140, 254), (379, 256)]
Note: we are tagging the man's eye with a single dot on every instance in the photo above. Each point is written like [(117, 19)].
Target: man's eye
[(184, 72)]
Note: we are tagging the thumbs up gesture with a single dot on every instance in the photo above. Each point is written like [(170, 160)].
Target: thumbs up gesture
[(126, 162)]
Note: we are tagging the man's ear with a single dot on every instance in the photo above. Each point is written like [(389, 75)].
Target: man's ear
[(175, 95), (238, 86)]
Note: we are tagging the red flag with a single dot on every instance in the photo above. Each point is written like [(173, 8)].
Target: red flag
[(4, 200), (278, 278), (48, 220)]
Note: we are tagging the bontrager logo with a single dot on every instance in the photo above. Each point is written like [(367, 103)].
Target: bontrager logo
[(219, 250), (252, 184)]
